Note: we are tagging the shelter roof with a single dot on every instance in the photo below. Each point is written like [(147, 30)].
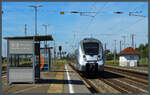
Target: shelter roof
[(37, 38)]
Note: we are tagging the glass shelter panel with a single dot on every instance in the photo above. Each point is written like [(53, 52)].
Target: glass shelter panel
[(45, 60), (24, 60)]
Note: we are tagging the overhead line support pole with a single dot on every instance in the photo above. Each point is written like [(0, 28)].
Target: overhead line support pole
[(1, 47), (115, 53)]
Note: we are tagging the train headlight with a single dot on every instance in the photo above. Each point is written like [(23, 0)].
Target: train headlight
[(99, 57), (84, 57)]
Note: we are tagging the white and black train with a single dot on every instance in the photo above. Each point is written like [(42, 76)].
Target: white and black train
[(90, 56)]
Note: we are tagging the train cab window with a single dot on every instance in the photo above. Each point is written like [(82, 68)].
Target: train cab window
[(91, 48)]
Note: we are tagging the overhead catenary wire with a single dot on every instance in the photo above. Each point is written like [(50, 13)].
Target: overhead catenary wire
[(138, 7), (131, 25), (93, 17), (132, 11)]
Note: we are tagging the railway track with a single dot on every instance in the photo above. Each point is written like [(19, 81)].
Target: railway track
[(117, 81), (99, 87), (3, 73), (124, 86), (136, 81), (135, 76), (89, 85)]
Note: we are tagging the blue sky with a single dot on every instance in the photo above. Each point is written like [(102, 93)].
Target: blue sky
[(64, 27)]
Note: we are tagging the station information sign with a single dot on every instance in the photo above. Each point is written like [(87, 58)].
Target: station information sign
[(20, 46)]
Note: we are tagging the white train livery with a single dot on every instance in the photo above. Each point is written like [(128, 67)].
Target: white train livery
[(90, 56)]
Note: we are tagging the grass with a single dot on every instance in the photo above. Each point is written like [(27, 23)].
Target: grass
[(111, 62), (3, 63), (61, 61), (145, 62)]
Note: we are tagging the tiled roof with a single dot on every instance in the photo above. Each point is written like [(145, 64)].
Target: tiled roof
[(106, 51), (129, 50)]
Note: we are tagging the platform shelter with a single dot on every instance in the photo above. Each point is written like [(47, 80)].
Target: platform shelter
[(23, 57)]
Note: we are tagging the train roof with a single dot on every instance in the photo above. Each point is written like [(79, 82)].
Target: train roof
[(86, 40)]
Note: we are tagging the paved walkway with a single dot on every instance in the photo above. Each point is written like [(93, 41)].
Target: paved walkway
[(76, 85), (58, 80)]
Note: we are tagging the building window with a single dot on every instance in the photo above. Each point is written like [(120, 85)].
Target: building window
[(131, 57)]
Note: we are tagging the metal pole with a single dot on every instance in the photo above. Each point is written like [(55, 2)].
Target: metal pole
[(132, 37), (46, 34), (105, 46), (49, 55), (120, 45), (33, 64), (46, 30), (34, 57), (54, 53), (149, 39), (115, 53), (25, 30), (45, 25), (35, 16), (8, 62), (124, 37), (1, 48), (35, 21)]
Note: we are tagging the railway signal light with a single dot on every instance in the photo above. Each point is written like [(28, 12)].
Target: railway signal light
[(62, 13), (60, 48), (118, 12), (75, 12), (2, 11)]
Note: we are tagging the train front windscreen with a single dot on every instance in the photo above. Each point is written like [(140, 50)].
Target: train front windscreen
[(91, 48)]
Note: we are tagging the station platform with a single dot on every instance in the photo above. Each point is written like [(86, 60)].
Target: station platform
[(61, 79)]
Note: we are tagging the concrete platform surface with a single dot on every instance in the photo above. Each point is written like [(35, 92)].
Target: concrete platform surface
[(61, 79)]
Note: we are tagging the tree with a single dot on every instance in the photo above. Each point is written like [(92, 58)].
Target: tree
[(143, 49), (109, 56)]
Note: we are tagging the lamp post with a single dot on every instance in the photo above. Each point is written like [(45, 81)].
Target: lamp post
[(34, 55), (35, 16), (45, 25)]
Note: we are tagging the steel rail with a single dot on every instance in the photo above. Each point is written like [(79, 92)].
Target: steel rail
[(122, 88), (129, 71), (88, 83)]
